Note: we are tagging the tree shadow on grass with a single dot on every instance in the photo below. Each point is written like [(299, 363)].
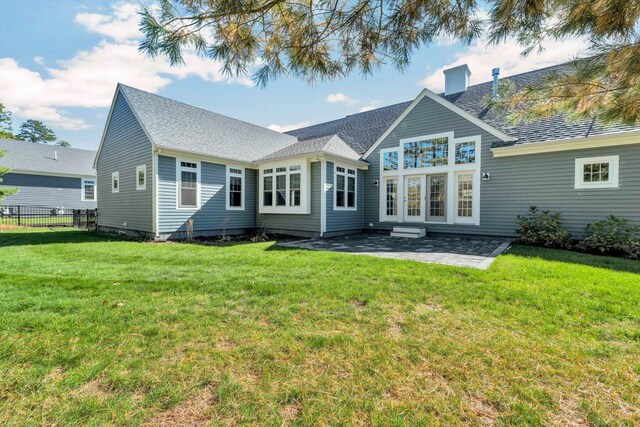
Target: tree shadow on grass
[(570, 257), (22, 237)]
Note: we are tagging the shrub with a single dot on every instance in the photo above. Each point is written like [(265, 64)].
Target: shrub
[(612, 236), (542, 228)]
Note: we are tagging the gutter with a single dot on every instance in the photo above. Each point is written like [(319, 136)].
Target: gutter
[(580, 143)]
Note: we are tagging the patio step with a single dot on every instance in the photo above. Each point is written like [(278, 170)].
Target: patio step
[(408, 232)]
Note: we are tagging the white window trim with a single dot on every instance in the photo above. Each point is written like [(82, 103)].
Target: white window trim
[(346, 186), (383, 200), (305, 188), (115, 176), (451, 170), (228, 187), (142, 168), (95, 190), (198, 171), (614, 171)]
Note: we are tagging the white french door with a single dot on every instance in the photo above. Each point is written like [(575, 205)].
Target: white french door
[(414, 197), (390, 198)]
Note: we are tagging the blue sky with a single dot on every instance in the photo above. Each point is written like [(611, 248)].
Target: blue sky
[(60, 62)]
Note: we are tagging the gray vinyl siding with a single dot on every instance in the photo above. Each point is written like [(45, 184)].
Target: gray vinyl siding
[(544, 180), (44, 190), (212, 217), (344, 220), (306, 223), (125, 147), (548, 181)]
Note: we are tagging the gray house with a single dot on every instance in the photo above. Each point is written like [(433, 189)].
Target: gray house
[(444, 162), (50, 176)]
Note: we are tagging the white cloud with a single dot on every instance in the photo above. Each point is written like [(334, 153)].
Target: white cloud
[(38, 60), (121, 26), (287, 128), (88, 79), (481, 60), (335, 98), (371, 106)]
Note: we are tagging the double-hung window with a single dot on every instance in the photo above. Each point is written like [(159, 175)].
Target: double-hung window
[(283, 188), (88, 190), (141, 177), (188, 184), (597, 172), (115, 182), (345, 188), (295, 191), (235, 188)]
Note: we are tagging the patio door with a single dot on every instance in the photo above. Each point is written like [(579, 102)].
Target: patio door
[(414, 196), (436, 198)]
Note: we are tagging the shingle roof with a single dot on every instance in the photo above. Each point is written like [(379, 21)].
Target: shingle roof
[(330, 144), (554, 128), (30, 157), (360, 131), (178, 126)]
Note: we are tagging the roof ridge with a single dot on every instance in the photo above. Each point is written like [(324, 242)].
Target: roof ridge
[(523, 73), (378, 109), (37, 144), (200, 108)]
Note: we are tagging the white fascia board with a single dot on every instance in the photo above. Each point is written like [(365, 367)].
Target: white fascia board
[(440, 100), (106, 125), (203, 157), (314, 157), (45, 173), (581, 143)]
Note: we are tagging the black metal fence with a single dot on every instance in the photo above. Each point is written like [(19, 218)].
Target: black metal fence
[(40, 216)]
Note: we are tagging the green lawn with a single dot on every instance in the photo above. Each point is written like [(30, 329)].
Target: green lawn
[(98, 331)]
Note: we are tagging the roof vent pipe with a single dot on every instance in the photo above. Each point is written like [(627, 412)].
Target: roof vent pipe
[(55, 154), (495, 73)]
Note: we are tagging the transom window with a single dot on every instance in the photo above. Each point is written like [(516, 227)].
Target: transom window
[(345, 188), (235, 188), (89, 189), (426, 153), (188, 179), (282, 188), (597, 172), (390, 161), (465, 152)]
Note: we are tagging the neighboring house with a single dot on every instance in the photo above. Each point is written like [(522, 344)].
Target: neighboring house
[(445, 162), (50, 176)]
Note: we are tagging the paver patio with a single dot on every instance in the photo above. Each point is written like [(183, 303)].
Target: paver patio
[(461, 251)]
